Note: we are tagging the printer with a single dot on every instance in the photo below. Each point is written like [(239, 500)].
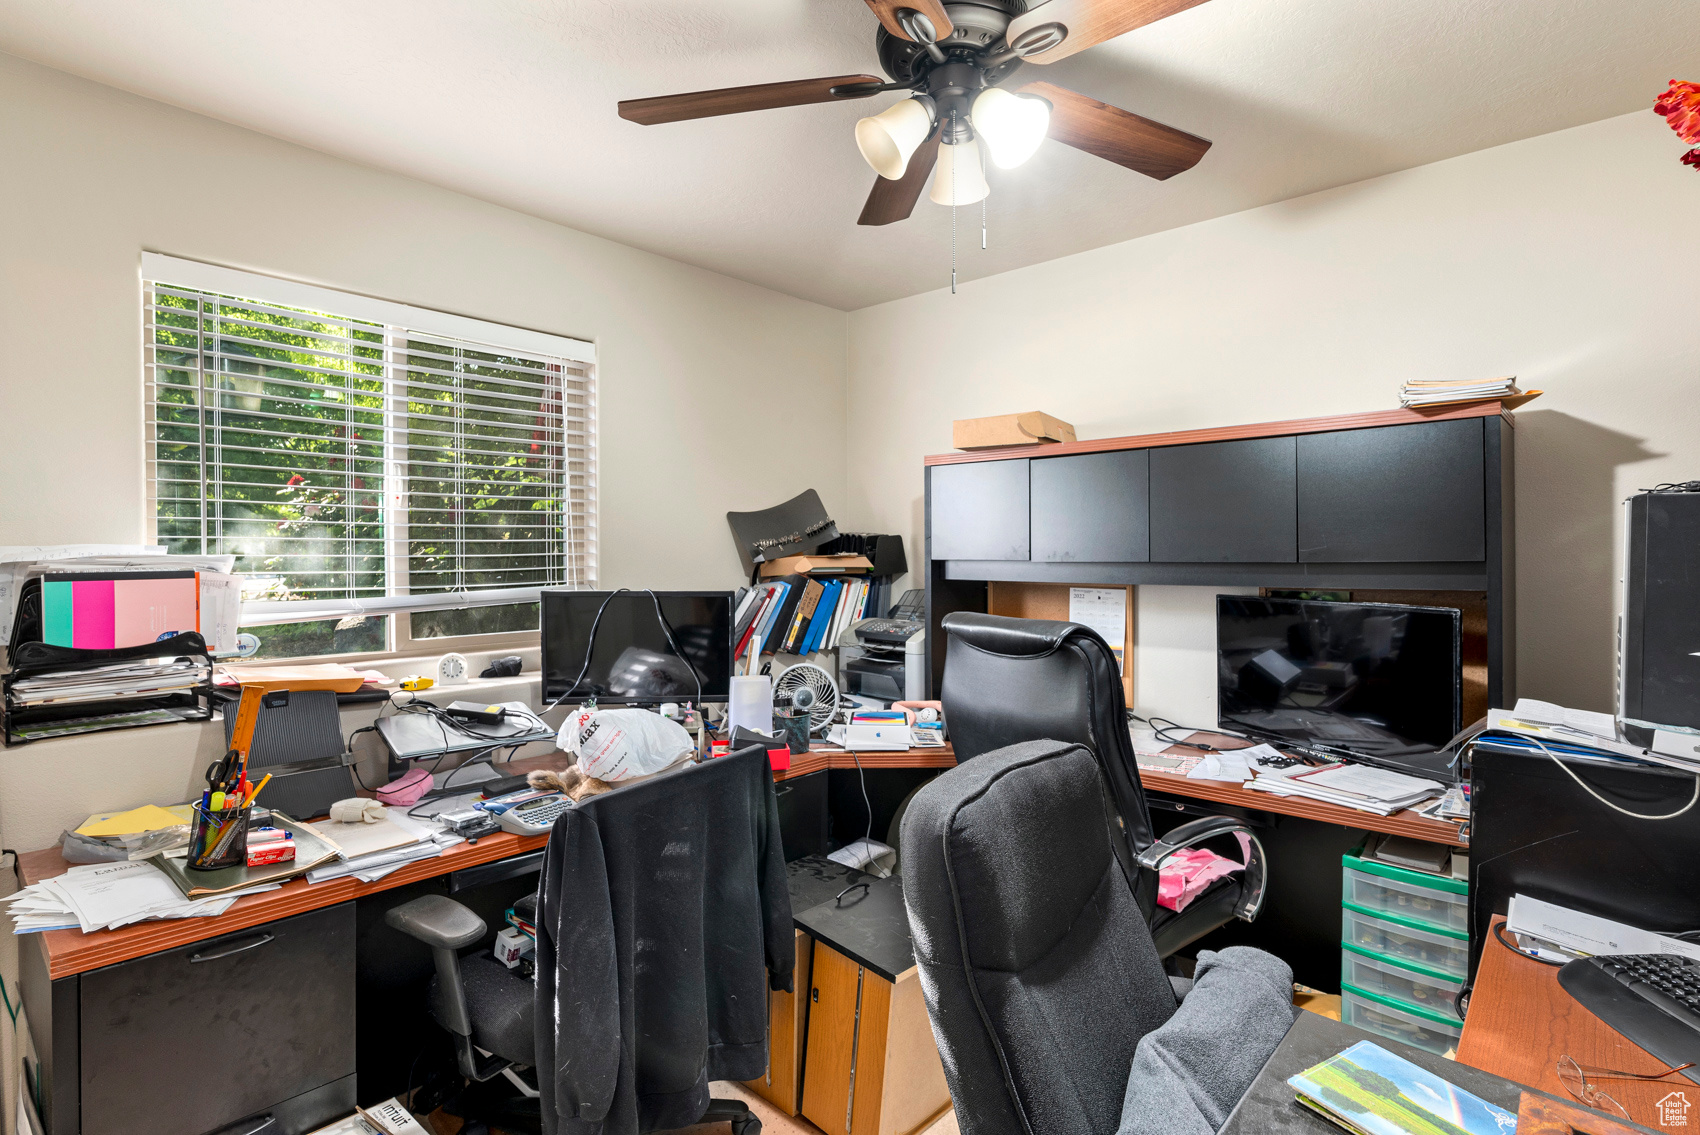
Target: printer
[(885, 660)]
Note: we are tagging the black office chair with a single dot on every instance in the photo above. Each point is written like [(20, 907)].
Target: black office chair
[(490, 1011), (1040, 974), (1012, 680)]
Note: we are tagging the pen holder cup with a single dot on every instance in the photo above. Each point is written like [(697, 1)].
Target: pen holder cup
[(793, 725), (220, 839)]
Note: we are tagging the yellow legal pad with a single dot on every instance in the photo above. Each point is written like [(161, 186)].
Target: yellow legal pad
[(147, 818)]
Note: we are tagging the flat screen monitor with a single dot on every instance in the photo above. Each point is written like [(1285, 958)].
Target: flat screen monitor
[(633, 662), (1375, 679)]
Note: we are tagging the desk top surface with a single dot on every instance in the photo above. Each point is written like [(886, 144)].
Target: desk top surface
[(1270, 1106), (1521, 1021), (71, 952)]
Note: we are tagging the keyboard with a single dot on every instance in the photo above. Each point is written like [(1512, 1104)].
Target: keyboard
[(894, 632), (1653, 999)]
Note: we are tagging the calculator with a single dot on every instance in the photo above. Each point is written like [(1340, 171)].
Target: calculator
[(534, 817)]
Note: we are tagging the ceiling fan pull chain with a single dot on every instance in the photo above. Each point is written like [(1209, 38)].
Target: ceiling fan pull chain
[(982, 224), (953, 218)]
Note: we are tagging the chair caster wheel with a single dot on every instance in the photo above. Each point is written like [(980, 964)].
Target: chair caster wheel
[(750, 1126)]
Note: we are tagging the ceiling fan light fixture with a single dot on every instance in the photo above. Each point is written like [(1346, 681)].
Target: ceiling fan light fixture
[(1012, 125), (888, 138), (961, 176)]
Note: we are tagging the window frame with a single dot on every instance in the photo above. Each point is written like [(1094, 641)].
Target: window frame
[(398, 320)]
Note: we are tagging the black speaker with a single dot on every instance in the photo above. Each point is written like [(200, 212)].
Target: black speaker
[(1661, 617)]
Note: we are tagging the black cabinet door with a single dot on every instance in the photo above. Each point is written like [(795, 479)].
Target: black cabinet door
[(979, 511), (1398, 493), (1092, 507), (193, 1039), (1225, 502)]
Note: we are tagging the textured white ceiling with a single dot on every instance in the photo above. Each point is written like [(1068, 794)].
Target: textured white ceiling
[(513, 101)]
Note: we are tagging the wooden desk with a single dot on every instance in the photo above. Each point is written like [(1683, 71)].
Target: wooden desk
[(69, 952), (1521, 1022), (816, 759), (1406, 823)]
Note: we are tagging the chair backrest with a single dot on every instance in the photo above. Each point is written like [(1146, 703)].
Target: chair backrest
[(307, 730), (1038, 968), (1011, 680)]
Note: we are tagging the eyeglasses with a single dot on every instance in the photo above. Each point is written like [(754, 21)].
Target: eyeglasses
[(1578, 1081)]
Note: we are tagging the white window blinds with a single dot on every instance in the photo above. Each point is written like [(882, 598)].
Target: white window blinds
[(356, 464)]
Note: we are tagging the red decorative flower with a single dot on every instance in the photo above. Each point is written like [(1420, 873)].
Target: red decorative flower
[(297, 479), (1692, 158), (1681, 108)]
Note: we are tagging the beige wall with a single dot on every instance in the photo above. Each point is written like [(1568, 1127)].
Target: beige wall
[(698, 373), (1564, 259)]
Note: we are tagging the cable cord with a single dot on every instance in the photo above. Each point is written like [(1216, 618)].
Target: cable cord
[(1589, 789)]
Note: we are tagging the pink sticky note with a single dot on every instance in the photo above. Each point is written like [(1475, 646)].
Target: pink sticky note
[(145, 609), (92, 614)]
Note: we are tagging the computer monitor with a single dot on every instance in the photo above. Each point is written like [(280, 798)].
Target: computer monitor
[(633, 662), (1375, 679)]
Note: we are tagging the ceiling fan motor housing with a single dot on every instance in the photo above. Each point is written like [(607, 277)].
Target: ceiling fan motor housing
[(976, 26)]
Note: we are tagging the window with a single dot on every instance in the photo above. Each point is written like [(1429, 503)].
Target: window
[(382, 474)]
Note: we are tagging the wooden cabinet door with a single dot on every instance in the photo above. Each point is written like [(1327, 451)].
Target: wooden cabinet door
[(1225, 502), (1393, 494), (787, 1031), (835, 995), (1091, 507), (978, 511)]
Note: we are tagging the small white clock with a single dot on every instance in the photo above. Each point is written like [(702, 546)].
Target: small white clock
[(452, 670)]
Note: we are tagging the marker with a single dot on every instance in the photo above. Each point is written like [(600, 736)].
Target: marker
[(218, 801)]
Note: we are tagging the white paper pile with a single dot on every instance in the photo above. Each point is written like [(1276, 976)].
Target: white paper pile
[(105, 896), (1353, 786), (1440, 391), (147, 678), (1559, 934), (371, 851)]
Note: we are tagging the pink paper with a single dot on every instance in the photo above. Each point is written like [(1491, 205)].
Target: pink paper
[(92, 614), (149, 608)]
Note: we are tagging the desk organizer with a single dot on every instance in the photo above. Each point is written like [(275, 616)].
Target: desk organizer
[(1397, 1021), (1405, 952)]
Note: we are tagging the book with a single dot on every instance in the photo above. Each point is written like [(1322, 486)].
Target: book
[(799, 621), (770, 616), (1370, 1091), (822, 616), (779, 623)]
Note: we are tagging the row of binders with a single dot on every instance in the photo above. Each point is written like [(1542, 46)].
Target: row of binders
[(798, 614)]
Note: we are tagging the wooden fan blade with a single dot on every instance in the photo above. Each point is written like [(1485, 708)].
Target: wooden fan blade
[(1117, 135), (1088, 22), (737, 100), (894, 200), (887, 11)]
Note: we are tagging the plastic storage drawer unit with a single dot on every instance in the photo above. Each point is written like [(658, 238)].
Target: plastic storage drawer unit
[(1444, 951), (1432, 899), (1401, 982), (1405, 1023)]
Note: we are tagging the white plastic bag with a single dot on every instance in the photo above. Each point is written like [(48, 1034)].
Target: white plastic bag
[(620, 744)]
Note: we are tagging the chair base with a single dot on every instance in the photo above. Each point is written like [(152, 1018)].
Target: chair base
[(488, 1104), (744, 1121)]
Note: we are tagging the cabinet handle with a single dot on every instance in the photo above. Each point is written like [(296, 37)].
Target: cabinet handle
[(260, 1123), (235, 948)]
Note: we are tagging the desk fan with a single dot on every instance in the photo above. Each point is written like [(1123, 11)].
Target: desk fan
[(808, 676)]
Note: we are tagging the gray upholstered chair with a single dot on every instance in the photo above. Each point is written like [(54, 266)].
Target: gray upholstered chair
[(1012, 680)]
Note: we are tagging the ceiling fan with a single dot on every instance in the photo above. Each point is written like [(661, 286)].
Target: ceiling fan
[(954, 58)]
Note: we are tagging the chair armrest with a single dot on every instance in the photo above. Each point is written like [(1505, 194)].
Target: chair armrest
[(1194, 832), (439, 922)]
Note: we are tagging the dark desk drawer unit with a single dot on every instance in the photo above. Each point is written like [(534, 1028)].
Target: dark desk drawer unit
[(215, 1037)]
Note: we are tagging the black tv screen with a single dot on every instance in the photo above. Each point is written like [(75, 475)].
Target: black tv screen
[(1371, 678), (633, 662)]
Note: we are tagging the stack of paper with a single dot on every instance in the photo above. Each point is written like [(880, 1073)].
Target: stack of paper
[(1440, 391), (105, 896), (121, 681), (371, 851), (1353, 786)]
